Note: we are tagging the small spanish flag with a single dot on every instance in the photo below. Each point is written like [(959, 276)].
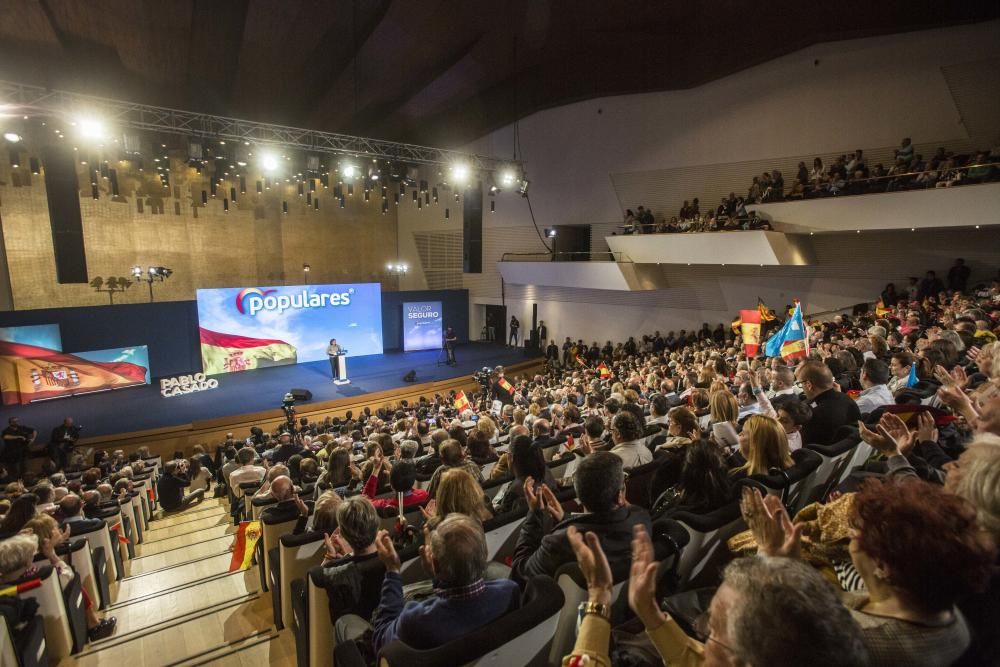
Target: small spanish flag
[(750, 330), (881, 310), (603, 370), (507, 386), (461, 402), (20, 588), (580, 360), (247, 536)]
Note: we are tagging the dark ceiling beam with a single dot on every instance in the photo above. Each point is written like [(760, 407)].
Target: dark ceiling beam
[(378, 119), (333, 55), (217, 27)]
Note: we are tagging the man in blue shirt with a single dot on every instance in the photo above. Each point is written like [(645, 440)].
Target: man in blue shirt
[(455, 556)]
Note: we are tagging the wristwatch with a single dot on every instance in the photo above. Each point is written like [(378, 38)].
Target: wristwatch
[(598, 608)]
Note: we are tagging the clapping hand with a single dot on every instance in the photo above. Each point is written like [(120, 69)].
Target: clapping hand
[(387, 551), (926, 429), (336, 546), (642, 581), (542, 499), (593, 564), (429, 510), (300, 505), (770, 524)]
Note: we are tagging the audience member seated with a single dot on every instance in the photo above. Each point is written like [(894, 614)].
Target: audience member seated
[(288, 506), (694, 479), (453, 457), (352, 573), (464, 601), (628, 437), (543, 546), (528, 464), (831, 408), (402, 477)]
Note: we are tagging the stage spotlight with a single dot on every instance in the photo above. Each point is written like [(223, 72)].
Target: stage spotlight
[(12, 137), (269, 161), (550, 233), (523, 189), (508, 178), (137, 271), (91, 128), (460, 173), (348, 170)]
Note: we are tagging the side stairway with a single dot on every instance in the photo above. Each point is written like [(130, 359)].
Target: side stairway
[(178, 604)]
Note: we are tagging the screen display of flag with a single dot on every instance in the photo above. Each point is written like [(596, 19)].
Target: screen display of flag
[(31, 373), (256, 327), (422, 326)]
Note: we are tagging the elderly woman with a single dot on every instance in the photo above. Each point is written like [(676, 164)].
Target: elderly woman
[(918, 551)]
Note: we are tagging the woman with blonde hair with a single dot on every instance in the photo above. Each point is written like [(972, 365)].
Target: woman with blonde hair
[(487, 427), (723, 411), (459, 492), (763, 445)]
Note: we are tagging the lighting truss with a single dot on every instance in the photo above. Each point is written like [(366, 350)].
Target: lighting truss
[(127, 115)]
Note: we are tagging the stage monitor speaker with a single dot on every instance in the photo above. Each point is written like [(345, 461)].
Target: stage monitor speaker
[(301, 394), (410, 377)]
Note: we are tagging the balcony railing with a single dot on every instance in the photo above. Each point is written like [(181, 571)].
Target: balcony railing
[(605, 256)]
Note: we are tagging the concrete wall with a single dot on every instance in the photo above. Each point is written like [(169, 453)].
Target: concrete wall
[(253, 244)]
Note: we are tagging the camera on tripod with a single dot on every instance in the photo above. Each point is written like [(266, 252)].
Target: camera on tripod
[(288, 406), (483, 377)]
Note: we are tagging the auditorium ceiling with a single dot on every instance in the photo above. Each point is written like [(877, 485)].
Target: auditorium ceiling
[(427, 71)]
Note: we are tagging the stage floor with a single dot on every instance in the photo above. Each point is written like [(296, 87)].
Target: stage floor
[(141, 408)]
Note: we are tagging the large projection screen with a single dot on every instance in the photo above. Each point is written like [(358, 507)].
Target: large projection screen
[(257, 327)]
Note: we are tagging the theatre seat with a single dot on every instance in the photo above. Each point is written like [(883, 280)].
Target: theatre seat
[(834, 460), (702, 559), (29, 648), (270, 534), (493, 487), (571, 582), (637, 482), (292, 559), (789, 484), (518, 638), (318, 622), (77, 552), (52, 609), (501, 534)]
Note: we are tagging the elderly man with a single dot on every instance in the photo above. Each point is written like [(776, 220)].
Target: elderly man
[(782, 382), (831, 408), (455, 556), (352, 573), (246, 472), (288, 507), (543, 547), (71, 511), (629, 440)]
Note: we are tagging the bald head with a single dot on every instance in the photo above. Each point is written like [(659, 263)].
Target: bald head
[(71, 505), (282, 488)]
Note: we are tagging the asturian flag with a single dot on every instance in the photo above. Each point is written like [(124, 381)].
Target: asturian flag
[(790, 342)]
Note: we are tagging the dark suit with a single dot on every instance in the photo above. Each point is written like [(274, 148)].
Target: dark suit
[(830, 410), (354, 585), (542, 548), (83, 526), (284, 511)]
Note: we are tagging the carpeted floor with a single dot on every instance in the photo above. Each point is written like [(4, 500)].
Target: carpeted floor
[(140, 408)]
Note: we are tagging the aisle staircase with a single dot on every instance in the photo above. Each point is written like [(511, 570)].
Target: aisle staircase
[(178, 604)]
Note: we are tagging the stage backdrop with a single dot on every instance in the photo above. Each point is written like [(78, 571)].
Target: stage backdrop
[(422, 322), (256, 327), (170, 328)]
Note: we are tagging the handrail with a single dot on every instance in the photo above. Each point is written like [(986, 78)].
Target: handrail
[(601, 256)]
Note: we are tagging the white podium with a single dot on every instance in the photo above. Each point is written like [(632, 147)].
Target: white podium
[(342, 369)]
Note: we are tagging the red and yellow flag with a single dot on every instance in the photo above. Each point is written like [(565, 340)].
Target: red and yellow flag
[(20, 588), (765, 312), (120, 532), (580, 360), (507, 386), (228, 353), (461, 402), (881, 310), (247, 536), (29, 373), (603, 371), (750, 330)]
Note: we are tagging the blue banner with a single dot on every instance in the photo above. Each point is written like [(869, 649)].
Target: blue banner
[(422, 326), (256, 327)]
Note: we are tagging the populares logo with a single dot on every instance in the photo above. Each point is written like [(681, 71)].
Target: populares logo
[(253, 300)]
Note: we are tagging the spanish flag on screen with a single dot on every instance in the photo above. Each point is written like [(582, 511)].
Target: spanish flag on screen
[(29, 373), (790, 341), (228, 353), (246, 541), (461, 402)]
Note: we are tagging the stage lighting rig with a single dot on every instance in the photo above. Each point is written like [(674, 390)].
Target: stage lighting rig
[(151, 275)]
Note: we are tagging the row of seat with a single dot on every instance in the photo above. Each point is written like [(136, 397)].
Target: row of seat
[(97, 558)]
